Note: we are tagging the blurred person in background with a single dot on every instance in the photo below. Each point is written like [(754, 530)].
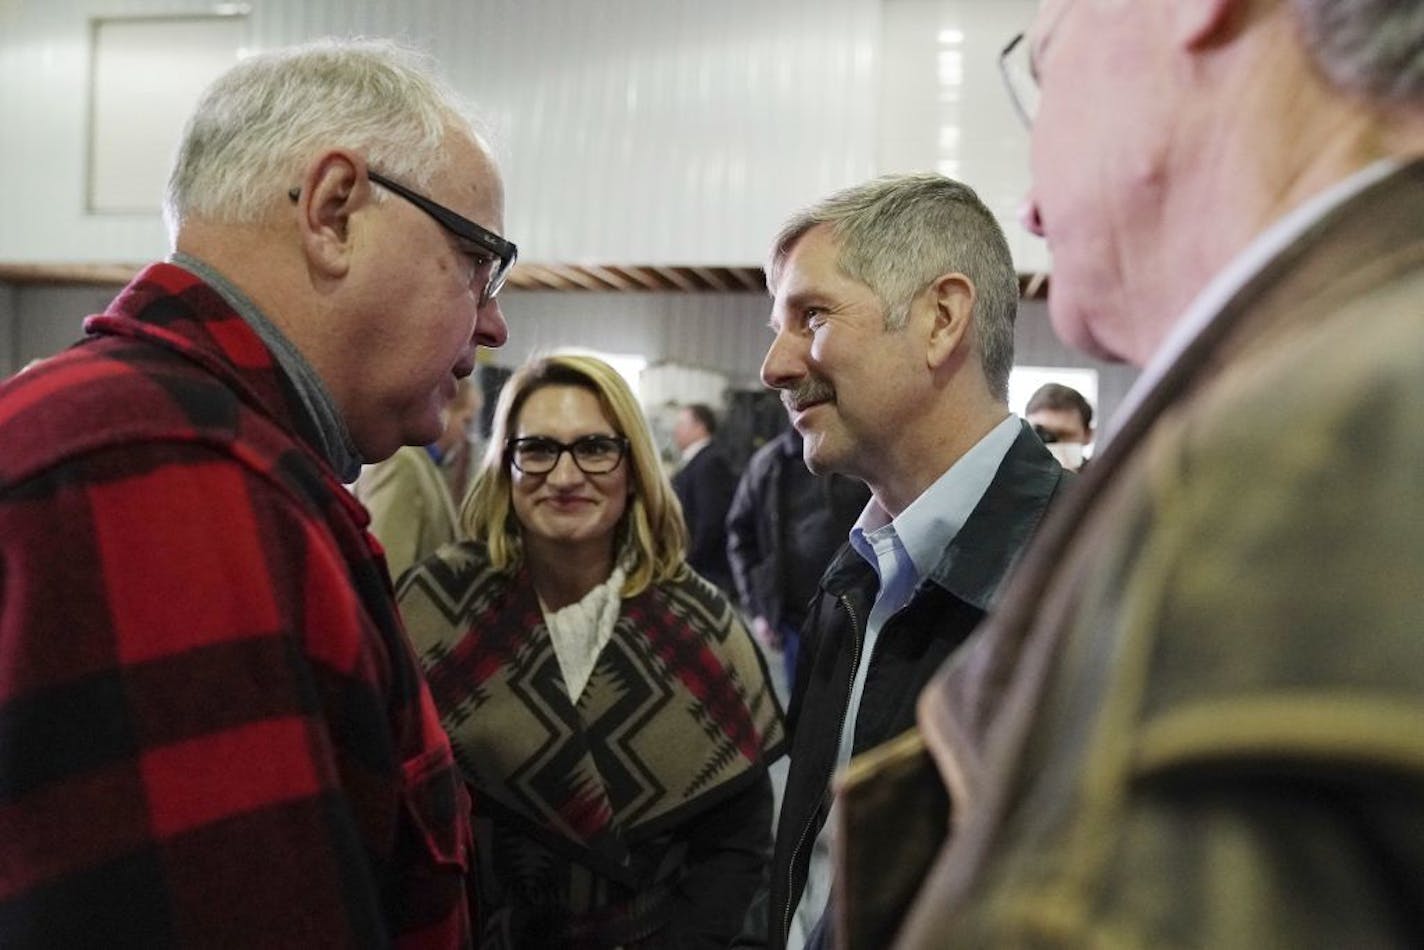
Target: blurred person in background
[(610, 711), (408, 496), (704, 485), (458, 465), (1064, 421), (212, 729), (1197, 717), (784, 526)]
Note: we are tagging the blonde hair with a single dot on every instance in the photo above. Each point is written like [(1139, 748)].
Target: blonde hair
[(651, 539)]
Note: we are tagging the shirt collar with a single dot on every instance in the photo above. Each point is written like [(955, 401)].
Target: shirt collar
[(694, 448), (928, 525), (1230, 281), (316, 399)]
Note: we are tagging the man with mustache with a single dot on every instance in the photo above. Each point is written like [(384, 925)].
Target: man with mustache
[(893, 309), (1197, 716)]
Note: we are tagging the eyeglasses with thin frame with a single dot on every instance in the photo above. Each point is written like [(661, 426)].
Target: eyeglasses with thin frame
[(504, 253), (593, 454), (1016, 66)]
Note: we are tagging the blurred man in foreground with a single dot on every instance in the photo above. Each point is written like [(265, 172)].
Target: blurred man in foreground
[(1196, 718)]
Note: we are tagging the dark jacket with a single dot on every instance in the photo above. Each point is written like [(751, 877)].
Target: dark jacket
[(772, 552), (942, 613), (704, 487)]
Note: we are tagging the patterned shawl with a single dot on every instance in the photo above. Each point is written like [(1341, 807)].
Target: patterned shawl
[(677, 715)]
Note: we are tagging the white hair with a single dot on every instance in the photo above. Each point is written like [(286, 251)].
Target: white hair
[(258, 125), (1373, 48)]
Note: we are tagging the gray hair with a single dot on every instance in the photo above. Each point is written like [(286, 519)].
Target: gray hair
[(900, 232), (1373, 48), (257, 125)]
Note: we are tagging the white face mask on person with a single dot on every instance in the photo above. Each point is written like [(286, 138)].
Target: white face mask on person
[(1068, 454)]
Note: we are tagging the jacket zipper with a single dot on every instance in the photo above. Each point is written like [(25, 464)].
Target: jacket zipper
[(806, 828)]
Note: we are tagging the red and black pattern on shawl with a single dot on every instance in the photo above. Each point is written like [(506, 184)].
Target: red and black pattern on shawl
[(677, 716)]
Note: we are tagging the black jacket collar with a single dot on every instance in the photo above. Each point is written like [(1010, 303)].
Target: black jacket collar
[(976, 561)]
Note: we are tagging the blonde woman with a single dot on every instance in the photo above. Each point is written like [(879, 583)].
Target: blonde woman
[(606, 705)]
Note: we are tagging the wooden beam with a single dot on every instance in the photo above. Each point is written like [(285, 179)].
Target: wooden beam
[(751, 278), (673, 276), (578, 276), (611, 277), (542, 277), (1036, 286), (620, 278), (714, 277), (73, 274), (645, 278)]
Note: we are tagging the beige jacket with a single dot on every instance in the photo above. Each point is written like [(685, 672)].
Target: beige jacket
[(412, 513)]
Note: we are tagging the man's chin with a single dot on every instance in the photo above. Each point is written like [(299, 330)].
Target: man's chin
[(427, 429), (1073, 324), (814, 453)]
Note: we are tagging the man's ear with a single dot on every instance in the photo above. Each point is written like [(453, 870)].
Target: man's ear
[(951, 298), (1198, 24), (333, 189)]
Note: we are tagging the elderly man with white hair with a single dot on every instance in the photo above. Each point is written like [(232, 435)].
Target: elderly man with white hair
[(212, 729), (1197, 716)]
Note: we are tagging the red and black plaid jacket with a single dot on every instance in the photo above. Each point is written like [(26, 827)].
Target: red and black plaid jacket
[(212, 729)]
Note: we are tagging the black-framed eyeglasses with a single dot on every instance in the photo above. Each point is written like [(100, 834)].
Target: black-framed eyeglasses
[(1016, 66), (503, 253), (593, 454)]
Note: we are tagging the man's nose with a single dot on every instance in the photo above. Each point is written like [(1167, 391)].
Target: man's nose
[(783, 364), (1030, 217), (490, 329)]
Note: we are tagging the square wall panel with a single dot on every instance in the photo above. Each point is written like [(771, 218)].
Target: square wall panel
[(146, 75)]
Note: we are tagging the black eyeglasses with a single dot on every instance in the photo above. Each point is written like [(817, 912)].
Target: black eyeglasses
[(1016, 66), (504, 252), (593, 454)]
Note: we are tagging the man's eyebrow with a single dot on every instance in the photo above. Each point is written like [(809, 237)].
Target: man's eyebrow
[(797, 299)]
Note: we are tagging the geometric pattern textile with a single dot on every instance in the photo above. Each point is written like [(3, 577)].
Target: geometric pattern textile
[(678, 713)]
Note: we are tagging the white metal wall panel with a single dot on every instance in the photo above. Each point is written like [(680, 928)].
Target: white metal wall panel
[(665, 131), (943, 104), (722, 333)]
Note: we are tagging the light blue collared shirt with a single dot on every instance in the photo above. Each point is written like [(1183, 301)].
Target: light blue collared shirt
[(905, 550)]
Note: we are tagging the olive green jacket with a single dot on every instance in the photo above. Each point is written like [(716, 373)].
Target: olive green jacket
[(1198, 718)]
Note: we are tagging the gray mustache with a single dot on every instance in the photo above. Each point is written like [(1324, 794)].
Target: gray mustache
[(809, 391)]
